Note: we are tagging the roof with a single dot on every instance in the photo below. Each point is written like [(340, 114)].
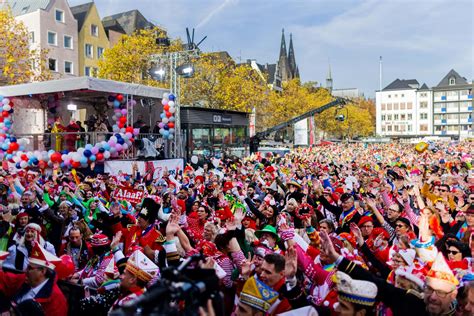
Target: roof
[(85, 85), (452, 74), (271, 70), (112, 25), (80, 13), (130, 21), (402, 84), (20, 7), (424, 87)]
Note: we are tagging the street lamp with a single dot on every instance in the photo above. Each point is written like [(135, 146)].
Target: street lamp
[(185, 70), (157, 72)]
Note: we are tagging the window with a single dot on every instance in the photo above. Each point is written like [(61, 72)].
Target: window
[(402, 106), (389, 106), (383, 106), (52, 38), (383, 128), (423, 95), (409, 117), (452, 93), (389, 128), (94, 30), (423, 105), (383, 118), (395, 128), (452, 81), (100, 52), (396, 95), (423, 116), (31, 37), (439, 94), (402, 117), (68, 67), (89, 50), (59, 14), (87, 71), (53, 64), (395, 106), (403, 95), (395, 117), (389, 117), (67, 41), (409, 105), (423, 127), (409, 128), (389, 96)]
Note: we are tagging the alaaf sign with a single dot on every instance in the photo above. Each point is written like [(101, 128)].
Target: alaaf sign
[(127, 194)]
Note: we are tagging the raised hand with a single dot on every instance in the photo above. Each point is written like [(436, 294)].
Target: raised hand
[(291, 262), (355, 230), (116, 240), (327, 247)]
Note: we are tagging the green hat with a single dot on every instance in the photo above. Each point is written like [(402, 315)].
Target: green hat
[(267, 229)]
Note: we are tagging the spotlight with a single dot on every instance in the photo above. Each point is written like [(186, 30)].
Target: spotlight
[(72, 107), (185, 70), (157, 72)]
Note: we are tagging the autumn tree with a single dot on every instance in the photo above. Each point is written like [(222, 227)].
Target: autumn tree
[(19, 64), (130, 59)]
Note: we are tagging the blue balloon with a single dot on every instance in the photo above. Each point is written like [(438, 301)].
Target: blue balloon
[(162, 115), (18, 165), (13, 139), (87, 153), (171, 97), (9, 156), (22, 148), (11, 111), (106, 147), (101, 150), (88, 146), (83, 160), (166, 133), (116, 104), (92, 158), (62, 165), (35, 161), (111, 98), (166, 127), (65, 152), (121, 141), (1, 98)]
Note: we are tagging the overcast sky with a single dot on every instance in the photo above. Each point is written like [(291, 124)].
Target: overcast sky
[(418, 39)]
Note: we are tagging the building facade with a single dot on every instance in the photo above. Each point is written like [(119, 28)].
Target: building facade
[(453, 106), (403, 109), (51, 26), (92, 38)]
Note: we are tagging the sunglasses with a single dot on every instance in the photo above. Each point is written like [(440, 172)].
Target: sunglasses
[(400, 226), (443, 190), (453, 252)]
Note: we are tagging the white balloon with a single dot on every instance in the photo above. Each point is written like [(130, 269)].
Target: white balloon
[(7, 107), (172, 110), (171, 104), (6, 100), (194, 159), (106, 154), (113, 139), (166, 95), (165, 120), (125, 146)]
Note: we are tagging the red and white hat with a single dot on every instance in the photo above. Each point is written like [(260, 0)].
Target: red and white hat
[(42, 257), (141, 266), (441, 277), (99, 239)]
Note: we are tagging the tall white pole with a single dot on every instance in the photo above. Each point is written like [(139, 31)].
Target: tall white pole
[(380, 74)]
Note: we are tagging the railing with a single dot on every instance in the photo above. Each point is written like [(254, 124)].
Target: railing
[(72, 141)]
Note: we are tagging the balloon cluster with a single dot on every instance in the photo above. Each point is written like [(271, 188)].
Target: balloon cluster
[(120, 104), (13, 150), (167, 117)]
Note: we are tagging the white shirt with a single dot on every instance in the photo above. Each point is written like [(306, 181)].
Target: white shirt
[(31, 294)]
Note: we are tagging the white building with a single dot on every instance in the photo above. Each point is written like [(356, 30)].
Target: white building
[(51, 26), (453, 106), (404, 109)]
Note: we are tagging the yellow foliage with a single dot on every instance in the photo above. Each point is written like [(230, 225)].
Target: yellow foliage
[(129, 59), (17, 63)]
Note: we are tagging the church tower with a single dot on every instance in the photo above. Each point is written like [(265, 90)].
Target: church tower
[(329, 80), (283, 63), (292, 61)]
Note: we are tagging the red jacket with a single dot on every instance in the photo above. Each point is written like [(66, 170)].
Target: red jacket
[(50, 297)]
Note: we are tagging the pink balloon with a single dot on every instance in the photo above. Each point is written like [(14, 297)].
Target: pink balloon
[(136, 131), (118, 147), (124, 111), (95, 150)]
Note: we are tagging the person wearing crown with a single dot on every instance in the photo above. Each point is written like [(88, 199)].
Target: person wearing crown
[(139, 271), (34, 292), (145, 234)]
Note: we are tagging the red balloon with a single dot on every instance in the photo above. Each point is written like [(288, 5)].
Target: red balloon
[(123, 119), (1, 119), (129, 129), (14, 146), (24, 157), (65, 268), (121, 125), (166, 107), (170, 124), (56, 157), (100, 156), (42, 164), (5, 114), (169, 114), (119, 97), (76, 164)]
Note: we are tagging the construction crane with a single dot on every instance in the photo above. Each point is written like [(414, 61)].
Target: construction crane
[(255, 141)]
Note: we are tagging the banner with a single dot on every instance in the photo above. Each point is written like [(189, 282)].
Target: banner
[(128, 194), (301, 133), (155, 167)]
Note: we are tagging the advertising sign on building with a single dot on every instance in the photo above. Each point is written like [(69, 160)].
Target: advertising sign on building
[(252, 118), (158, 167)]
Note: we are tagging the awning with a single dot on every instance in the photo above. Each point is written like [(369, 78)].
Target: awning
[(82, 84)]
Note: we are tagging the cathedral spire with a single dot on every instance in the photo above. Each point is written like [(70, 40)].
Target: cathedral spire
[(291, 59), (329, 78), (283, 64)]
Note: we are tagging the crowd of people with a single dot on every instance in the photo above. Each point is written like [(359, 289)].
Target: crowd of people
[(342, 229)]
